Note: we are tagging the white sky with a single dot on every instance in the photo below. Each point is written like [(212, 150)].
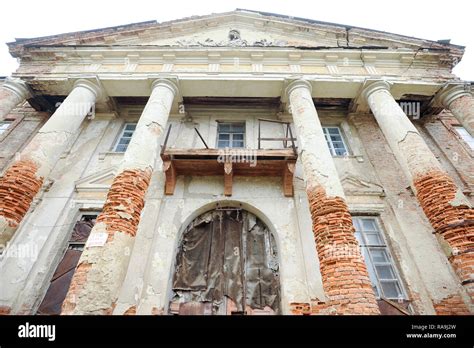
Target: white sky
[(428, 19)]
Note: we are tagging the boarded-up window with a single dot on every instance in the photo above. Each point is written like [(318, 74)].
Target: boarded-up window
[(226, 264), (62, 277)]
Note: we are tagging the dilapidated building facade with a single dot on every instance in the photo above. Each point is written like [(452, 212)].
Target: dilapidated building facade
[(236, 163)]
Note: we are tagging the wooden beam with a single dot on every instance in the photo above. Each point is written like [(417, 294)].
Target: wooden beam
[(169, 153), (170, 173), (288, 171), (228, 179)]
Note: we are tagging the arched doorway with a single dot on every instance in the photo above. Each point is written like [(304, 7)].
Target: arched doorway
[(227, 263)]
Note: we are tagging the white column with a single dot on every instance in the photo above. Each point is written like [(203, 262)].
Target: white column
[(446, 207), (458, 99), (101, 271), (338, 251), (13, 92), (23, 179)]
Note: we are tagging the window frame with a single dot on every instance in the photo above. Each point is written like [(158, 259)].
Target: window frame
[(371, 265), (9, 123), (327, 136), (121, 136), (468, 143), (231, 135)]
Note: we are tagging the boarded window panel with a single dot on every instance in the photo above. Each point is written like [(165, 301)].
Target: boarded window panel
[(60, 283), (61, 280)]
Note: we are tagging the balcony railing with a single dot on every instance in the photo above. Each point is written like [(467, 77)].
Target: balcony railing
[(230, 162)]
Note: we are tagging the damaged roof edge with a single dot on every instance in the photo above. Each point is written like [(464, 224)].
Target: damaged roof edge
[(348, 27), (140, 25)]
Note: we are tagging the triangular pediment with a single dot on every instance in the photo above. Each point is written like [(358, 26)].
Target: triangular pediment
[(239, 28), (97, 182), (357, 186)]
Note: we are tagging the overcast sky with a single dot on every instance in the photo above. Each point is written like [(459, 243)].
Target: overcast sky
[(428, 19)]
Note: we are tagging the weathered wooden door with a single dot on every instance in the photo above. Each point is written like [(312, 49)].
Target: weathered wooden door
[(226, 264)]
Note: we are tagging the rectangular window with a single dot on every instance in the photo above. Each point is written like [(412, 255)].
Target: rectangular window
[(335, 141), (4, 126), (125, 136), (230, 134), (62, 277), (468, 138), (382, 271)]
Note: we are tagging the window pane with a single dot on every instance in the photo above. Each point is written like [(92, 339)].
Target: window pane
[(223, 143), (378, 255), (121, 148), (238, 136), (391, 289), (224, 136), (130, 126), (385, 272), (124, 141), (373, 238), (382, 271), (238, 144), (237, 127), (369, 225), (128, 134), (334, 139), (224, 127)]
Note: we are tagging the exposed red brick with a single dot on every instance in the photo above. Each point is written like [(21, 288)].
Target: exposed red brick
[(77, 283), (344, 274), (300, 308), (18, 186), (454, 223), (131, 311), (125, 201), (4, 310), (452, 305)]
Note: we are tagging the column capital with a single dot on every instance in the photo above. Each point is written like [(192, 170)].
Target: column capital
[(300, 83), (171, 84), (91, 85), (371, 86), (451, 91), (18, 87)]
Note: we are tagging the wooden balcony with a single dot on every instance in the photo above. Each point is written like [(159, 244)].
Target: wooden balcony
[(230, 163)]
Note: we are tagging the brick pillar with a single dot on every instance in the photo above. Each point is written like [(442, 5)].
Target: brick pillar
[(458, 99), (22, 181), (344, 274), (448, 210), (12, 92), (101, 270)]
